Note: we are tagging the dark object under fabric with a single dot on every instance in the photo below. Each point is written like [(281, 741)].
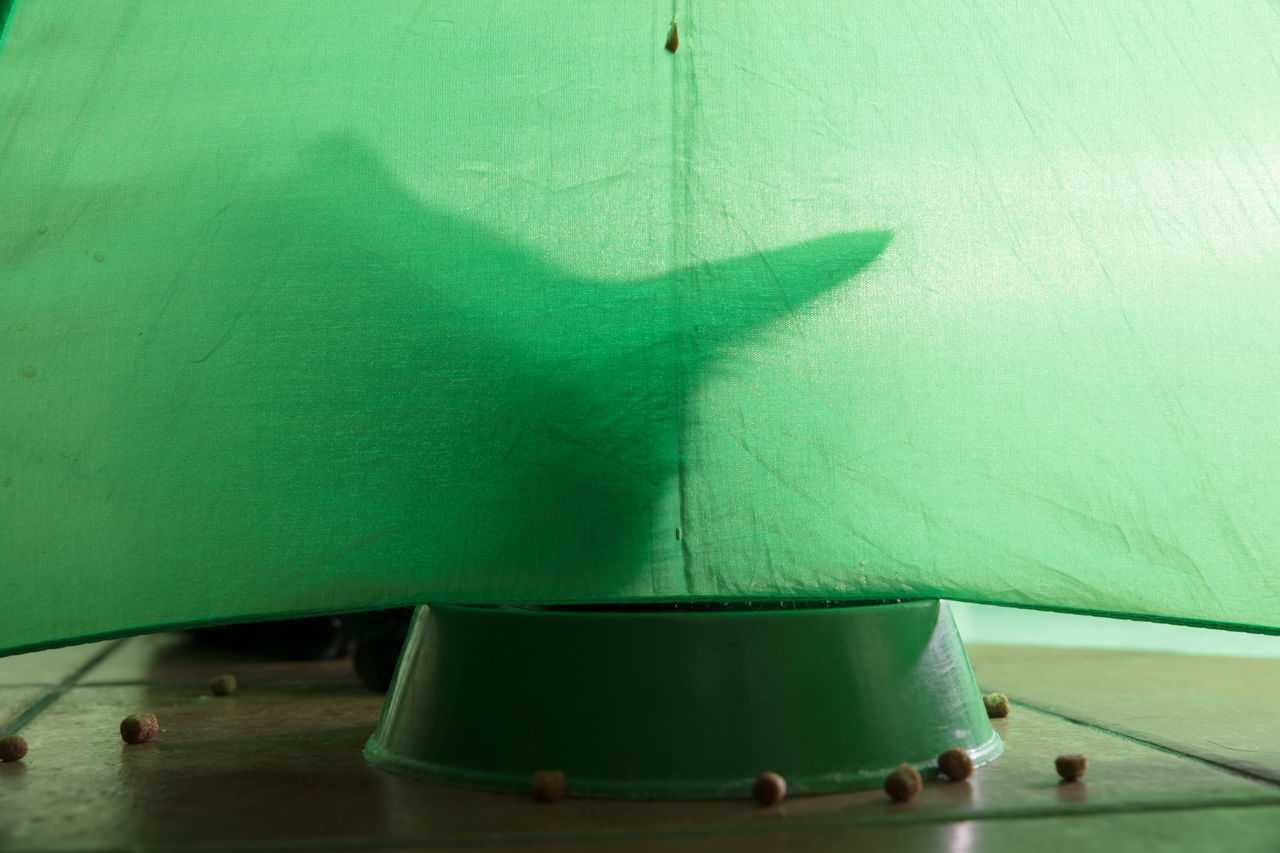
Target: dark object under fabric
[(373, 640), (307, 313), (312, 638), (379, 637)]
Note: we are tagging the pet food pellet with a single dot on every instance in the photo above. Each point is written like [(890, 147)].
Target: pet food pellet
[(139, 728), (997, 705), (548, 786), (673, 39), (223, 685), (903, 783), (1070, 767), (955, 764), (770, 789), (12, 748)]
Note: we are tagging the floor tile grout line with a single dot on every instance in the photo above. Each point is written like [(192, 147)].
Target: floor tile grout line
[(1229, 769), (55, 693), (342, 681), (798, 825), (816, 824)]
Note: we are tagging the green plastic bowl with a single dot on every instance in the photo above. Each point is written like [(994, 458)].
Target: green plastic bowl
[(680, 704)]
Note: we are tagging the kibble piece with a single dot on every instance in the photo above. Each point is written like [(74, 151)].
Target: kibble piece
[(1070, 767), (548, 786), (223, 685), (12, 748), (139, 728), (903, 783), (770, 788), (955, 764), (997, 705)]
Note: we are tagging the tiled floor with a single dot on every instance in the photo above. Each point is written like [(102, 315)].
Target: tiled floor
[(1183, 756)]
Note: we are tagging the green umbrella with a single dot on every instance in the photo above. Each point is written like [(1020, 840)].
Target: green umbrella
[(470, 302)]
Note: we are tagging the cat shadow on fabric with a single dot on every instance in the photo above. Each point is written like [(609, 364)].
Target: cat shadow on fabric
[(367, 382)]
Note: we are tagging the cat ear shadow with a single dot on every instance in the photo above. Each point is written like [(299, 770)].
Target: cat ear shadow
[(732, 297)]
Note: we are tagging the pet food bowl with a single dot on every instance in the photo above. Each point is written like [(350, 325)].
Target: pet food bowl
[(680, 701)]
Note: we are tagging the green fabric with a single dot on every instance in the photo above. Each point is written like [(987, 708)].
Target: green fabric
[(313, 308)]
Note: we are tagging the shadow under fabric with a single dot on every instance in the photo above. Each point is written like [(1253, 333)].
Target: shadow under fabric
[(461, 304)]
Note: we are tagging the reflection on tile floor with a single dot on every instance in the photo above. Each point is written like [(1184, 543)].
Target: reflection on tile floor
[(278, 766)]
